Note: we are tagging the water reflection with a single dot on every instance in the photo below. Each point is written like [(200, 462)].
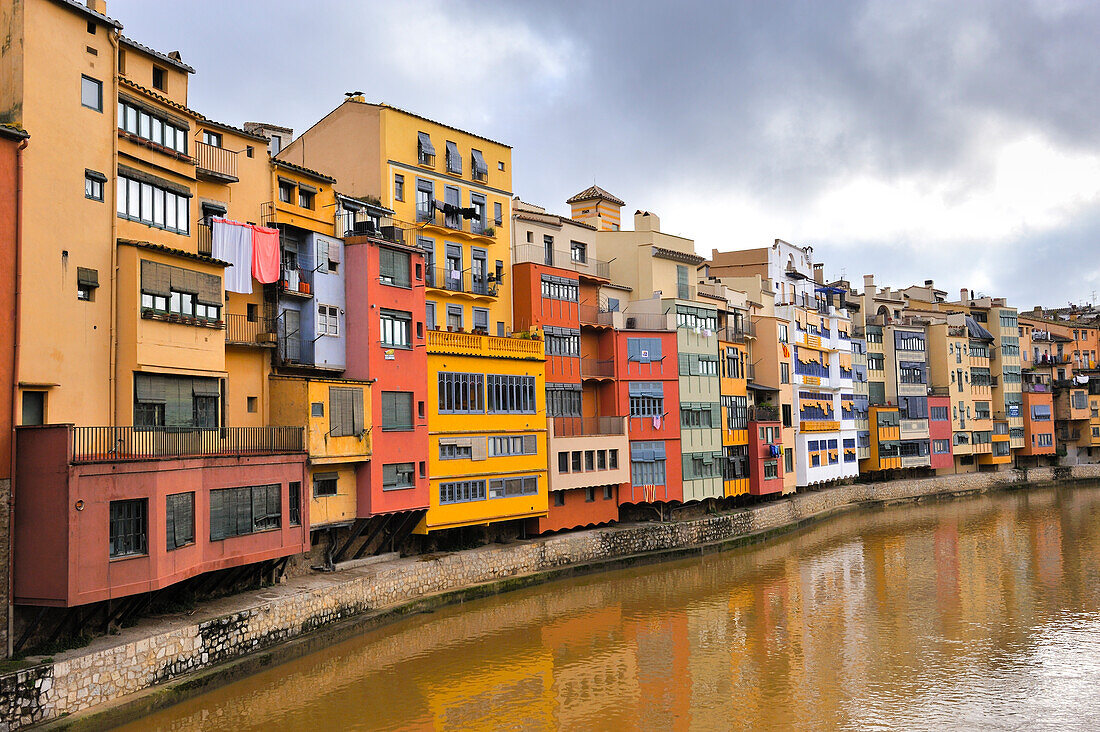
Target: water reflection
[(977, 614)]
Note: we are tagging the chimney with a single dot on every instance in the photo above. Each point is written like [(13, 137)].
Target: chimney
[(646, 221), (869, 288), (819, 273), (1038, 311), (98, 6), (962, 295), (929, 285)]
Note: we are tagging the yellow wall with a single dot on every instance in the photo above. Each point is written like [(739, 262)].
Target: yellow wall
[(733, 387)]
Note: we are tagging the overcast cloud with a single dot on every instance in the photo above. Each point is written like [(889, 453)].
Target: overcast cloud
[(945, 140)]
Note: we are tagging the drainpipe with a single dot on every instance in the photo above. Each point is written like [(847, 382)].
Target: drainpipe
[(112, 377), (14, 385)]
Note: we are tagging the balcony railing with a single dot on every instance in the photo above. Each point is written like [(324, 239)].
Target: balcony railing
[(456, 222), (750, 371), (763, 414), (241, 330), (384, 228), (737, 334), (595, 315), (592, 368), (537, 254), (112, 444), (648, 321), (297, 282), (474, 344), (588, 426), (455, 281), (204, 237), (216, 160)]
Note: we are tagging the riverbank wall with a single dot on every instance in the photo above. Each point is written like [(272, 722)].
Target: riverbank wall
[(164, 660)]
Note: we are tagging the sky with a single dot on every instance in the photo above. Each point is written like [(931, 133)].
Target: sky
[(955, 141)]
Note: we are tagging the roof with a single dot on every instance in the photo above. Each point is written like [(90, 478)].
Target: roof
[(85, 10), (160, 98), (374, 205), (662, 253), (173, 251), (157, 54), (270, 126), (592, 192), (17, 133), (551, 219), (237, 130), (383, 105), (301, 169)]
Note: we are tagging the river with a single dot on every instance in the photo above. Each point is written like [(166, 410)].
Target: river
[(981, 613)]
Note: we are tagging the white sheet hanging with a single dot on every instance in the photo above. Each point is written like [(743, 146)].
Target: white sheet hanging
[(231, 241)]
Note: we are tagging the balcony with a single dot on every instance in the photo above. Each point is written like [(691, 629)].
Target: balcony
[(383, 228), (592, 368), (116, 444), (536, 254), (763, 414), (296, 283), (913, 428), (215, 163), (455, 222), (596, 315), (649, 321), (588, 426), (453, 280), (242, 331), (739, 334), (473, 344)]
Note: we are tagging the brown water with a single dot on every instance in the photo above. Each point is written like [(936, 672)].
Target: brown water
[(977, 614)]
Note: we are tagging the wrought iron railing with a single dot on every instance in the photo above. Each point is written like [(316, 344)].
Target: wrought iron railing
[(647, 321), (537, 254), (251, 331), (215, 159), (591, 367), (111, 444), (460, 281)]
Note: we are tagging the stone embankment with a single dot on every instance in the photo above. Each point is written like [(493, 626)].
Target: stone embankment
[(178, 657)]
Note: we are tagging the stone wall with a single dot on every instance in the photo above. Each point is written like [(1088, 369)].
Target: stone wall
[(84, 681)]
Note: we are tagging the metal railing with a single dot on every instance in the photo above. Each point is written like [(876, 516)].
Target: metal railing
[(591, 367), (217, 160), (456, 222), (383, 228), (111, 444), (737, 334), (296, 281), (588, 426), (241, 329), (460, 281), (647, 321), (594, 315), (750, 371), (204, 237), (763, 413), (537, 254)]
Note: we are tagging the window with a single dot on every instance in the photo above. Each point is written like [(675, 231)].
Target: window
[(294, 510), (784, 372), (477, 221), (563, 462), (325, 484), (481, 319), (425, 199), (454, 451), (397, 476), (526, 485), (305, 197), (398, 187), (159, 130), (589, 494), (154, 205), (908, 341), (939, 447), (452, 200), (245, 510), (478, 167), (876, 362), (939, 414), (576, 461), (462, 491), (511, 394), (396, 328), (505, 445), (160, 78), (93, 185), (647, 463), (252, 404), (771, 469), (461, 393), (286, 191), (644, 350), (454, 160), (698, 364), (498, 215), (563, 400), (788, 460), (397, 410), (782, 331), (393, 267), (647, 399), (559, 288), (87, 281), (454, 317), (787, 416), (562, 341), (128, 524), (682, 291), (91, 93), (212, 138), (697, 416), (697, 319), (345, 410), (1047, 439), (736, 412), (180, 520), (578, 252), (328, 320)]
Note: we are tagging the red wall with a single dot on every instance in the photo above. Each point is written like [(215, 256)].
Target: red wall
[(529, 306), (1032, 427), (407, 371), (8, 227), (759, 451), (62, 552), (939, 430), (578, 512), (642, 429)]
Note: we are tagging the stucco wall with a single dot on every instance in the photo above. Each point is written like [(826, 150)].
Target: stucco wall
[(80, 682)]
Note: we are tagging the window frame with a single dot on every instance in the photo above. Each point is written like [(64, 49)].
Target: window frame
[(97, 86)]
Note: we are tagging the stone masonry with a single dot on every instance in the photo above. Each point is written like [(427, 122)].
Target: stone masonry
[(85, 678)]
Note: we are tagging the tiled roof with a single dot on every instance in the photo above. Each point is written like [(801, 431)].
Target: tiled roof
[(82, 8), (301, 169), (175, 105), (441, 124), (14, 132), (173, 251), (157, 54), (231, 128), (594, 192), (662, 253)]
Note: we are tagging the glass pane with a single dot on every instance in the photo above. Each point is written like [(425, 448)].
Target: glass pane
[(181, 215), (134, 199), (146, 202), (170, 210)]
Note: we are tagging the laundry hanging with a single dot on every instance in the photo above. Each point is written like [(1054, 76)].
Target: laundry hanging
[(265, 254), (231, 241)]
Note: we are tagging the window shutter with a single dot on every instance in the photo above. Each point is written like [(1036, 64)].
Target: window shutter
[(479, 448), (217, 515), (401, 268), (259, 504), (244, 506), (389, 409), (530, 444), (633, 348), (357, 422), (335, 411), (185, 518), (685, 364), (170, 522), (322, 252)]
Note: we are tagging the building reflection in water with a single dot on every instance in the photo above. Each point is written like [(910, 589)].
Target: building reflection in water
[(976, 613)]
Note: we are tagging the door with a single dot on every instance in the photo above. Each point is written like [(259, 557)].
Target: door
[(291, 335), (479, 270), (453, 267)]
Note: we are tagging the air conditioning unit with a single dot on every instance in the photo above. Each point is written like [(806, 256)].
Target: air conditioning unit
[(393, 233), (630, 322)]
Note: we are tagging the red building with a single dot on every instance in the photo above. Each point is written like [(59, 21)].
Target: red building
[(765, 453), (1038, 408), (386, 343), (939, 432), (108, 512)]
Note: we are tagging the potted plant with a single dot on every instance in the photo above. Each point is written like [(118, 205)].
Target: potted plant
[(490, 231)]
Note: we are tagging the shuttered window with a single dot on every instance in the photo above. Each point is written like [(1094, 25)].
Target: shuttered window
[(643, 350), (128, 523), (393, 267), (397, 410), (345, 409), (244, 510), (682, 282), (461, 393), (397, 476), (180, 520)]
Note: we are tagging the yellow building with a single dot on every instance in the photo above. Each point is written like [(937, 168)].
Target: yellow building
[(885, 439), (453, 190)]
